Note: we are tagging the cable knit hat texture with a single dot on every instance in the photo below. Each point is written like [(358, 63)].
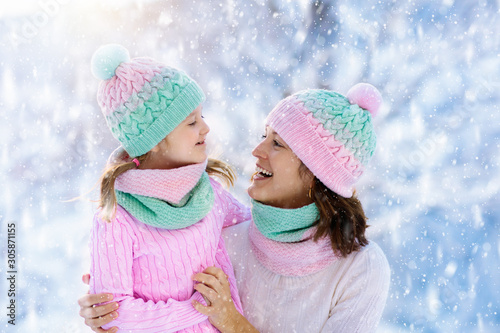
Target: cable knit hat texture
[(142, 100), (332, 134)]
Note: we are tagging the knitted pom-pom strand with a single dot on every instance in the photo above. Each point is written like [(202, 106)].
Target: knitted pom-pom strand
[(106, 59), (366, 96)]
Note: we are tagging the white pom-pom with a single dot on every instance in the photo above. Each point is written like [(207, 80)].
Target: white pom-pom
[(366, 96), (106, 59)]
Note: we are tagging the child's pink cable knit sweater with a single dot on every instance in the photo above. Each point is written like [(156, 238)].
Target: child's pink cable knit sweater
[(149, 269)]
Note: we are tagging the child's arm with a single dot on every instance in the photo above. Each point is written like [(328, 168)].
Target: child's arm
[(112, 252), (235, 212)]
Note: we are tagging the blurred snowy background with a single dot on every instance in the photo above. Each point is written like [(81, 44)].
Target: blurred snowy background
[(432, 192)]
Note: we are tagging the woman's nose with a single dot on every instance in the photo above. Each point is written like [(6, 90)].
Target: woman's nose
[(259, 151)]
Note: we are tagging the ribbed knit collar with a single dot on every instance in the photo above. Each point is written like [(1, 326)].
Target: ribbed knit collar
[(284, 225), (168, 199), (170, 185)]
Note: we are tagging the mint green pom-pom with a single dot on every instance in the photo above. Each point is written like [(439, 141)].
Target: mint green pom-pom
[(106, 59)]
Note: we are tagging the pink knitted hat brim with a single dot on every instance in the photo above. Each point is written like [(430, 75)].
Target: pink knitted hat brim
[(289, 120)]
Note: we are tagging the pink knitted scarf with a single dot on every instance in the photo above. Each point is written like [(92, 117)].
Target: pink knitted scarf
[(169, 185), (292, 259)]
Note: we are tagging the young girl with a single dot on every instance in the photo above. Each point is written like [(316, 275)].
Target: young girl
[(161, 215)]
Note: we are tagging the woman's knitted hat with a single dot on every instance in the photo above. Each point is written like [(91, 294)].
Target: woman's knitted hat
[(142, 99), (331, 134)]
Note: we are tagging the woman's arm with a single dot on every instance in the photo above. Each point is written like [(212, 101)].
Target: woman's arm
[(221, 311), (112, 252), (98, 315)]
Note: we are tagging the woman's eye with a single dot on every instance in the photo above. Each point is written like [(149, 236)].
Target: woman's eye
[(276, 143)]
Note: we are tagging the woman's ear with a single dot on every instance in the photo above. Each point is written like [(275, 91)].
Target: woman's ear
[(307, 176), (310, 178)]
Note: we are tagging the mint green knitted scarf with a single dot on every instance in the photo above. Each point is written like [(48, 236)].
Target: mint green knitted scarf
[(161, 214), (284, 225)]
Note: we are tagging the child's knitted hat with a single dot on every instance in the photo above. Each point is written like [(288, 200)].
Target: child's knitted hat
[(142, 99), (331, 134)]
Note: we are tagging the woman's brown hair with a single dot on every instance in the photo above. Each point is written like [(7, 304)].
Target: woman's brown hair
[(107, 201), (341, 219)]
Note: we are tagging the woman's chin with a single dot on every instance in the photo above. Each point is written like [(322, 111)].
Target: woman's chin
[(259, 196), (255, 193), (251, 192)]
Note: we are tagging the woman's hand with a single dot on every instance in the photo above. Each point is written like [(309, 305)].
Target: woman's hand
[(220, 309), (214, 287), (97, 315)]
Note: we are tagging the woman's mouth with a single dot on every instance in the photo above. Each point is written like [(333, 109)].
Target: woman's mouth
[(200, 143), (263, 173)]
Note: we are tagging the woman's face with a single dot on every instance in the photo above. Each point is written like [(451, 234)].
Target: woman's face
[(277, 181), (183, 146)]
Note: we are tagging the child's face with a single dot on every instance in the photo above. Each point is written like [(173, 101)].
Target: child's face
[(278, 181), (185, 145)]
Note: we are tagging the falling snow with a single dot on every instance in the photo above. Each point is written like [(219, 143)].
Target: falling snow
[(432, 191)]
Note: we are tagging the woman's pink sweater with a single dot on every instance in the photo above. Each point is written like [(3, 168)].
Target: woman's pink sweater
[(149, 269)]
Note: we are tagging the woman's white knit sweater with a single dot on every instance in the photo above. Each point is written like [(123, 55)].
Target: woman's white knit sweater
[(347, 296)]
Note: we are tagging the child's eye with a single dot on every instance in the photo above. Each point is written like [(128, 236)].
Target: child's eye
[(194, 121), (263, 136)]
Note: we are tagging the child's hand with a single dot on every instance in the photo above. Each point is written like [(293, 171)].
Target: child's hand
[(220, 308)]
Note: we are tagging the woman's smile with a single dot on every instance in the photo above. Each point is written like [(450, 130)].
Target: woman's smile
[(261, 173)]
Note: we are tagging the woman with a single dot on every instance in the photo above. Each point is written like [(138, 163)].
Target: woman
[(302, 263)]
